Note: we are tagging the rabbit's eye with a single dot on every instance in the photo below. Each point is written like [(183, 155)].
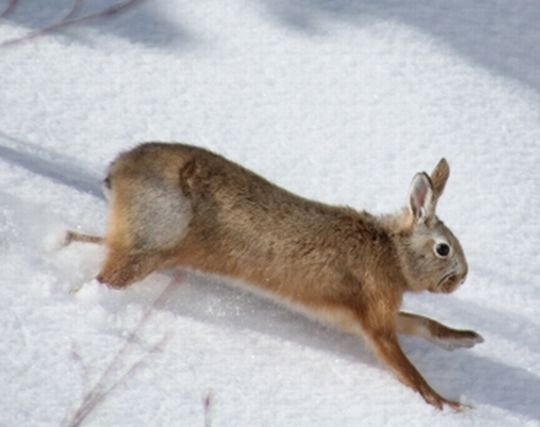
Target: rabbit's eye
[(442, 250)]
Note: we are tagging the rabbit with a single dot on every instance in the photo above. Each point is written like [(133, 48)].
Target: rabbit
[(175, 205)]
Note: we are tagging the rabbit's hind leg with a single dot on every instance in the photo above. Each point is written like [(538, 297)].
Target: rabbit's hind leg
[(122, 268), (74, 236)]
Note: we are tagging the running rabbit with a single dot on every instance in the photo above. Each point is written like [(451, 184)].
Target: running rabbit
[(178, 205)]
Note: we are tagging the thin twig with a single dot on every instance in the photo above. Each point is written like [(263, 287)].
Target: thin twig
[(91, 402), (84, 377), (207, 405), (77, 4), (84, 370), (100, 391), (70, 21), (10, 8), (113, 365)]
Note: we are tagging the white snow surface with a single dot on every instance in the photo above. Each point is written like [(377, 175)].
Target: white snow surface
[(341, 101)]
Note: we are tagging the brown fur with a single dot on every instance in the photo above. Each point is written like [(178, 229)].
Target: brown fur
[(178, 205)]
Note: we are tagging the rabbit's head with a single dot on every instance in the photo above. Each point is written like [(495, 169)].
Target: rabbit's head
[(431, 256)]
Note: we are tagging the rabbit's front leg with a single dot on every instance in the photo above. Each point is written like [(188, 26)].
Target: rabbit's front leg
[(435, 332), (385, 343)]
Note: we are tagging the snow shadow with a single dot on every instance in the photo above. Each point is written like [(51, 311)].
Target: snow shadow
[(53, 166), (143, 22), (484, 381), (481, 379), (500, 35), (487, 381), (212, 300)]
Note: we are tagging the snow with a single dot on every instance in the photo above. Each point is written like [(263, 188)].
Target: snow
[(341, 101)]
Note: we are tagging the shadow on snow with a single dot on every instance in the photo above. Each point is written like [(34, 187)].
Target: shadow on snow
[(499, 35)]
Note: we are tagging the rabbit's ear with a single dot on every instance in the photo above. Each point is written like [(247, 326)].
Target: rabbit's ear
[(421, 200), (439, 176)]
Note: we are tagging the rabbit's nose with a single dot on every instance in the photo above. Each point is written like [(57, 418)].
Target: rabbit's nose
[(461, 270), (462, 276)]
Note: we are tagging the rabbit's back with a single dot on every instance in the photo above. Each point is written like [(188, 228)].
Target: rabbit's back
[(217, 216)]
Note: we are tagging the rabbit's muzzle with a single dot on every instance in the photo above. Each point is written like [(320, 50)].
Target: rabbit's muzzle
[(449, 283)]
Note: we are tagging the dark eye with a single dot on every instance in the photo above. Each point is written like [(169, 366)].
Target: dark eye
[(442, 250)]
